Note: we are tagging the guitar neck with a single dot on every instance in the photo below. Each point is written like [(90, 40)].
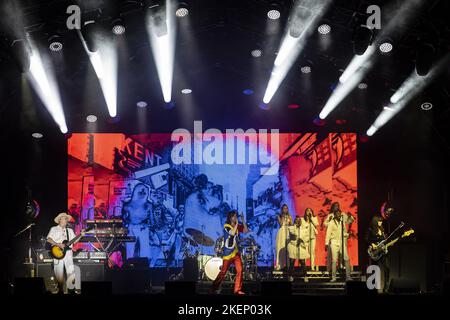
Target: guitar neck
[(390, 243), (78, 237)]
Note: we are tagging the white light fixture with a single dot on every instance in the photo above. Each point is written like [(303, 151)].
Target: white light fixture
[(426, 106), (181, 12), (186, 91), (324, 29), (386, 47), (118, 29), (306, 69), (37, 135), (362, 86), (256, 53), (273, 14), (141, 104), (91, 118), (55, 46)]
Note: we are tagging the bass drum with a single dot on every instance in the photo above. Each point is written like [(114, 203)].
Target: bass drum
[(212, 268)]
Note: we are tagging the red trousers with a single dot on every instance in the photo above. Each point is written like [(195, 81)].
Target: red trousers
[(226, 264)]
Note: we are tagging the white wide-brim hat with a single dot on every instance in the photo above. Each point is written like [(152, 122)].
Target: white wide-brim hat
[(60, 216)]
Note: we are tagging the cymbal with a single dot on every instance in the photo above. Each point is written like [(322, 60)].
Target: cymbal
[(190, 241), (200, 237)]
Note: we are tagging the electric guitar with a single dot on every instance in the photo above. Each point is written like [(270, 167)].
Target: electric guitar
[(58, 253), (381, 249)]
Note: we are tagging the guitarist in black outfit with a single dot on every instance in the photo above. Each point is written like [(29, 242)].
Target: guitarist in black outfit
[(375, 235)]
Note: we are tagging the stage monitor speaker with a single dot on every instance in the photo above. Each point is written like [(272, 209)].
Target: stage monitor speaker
[(45, 270), (190, 269), (358, 288), (404, 286), (276, 288), (180, 288), (92, 271), (96, 288), (408, 263), (29, 286)]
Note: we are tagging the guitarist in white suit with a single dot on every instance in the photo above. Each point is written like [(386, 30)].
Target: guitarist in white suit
[(55, 237)]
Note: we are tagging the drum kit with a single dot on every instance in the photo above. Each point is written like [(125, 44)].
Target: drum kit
[(209, 265)]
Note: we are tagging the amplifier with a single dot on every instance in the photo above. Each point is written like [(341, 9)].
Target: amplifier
[(81, 255), (92, 271), (43, 256), (45, 271), (98, 255)]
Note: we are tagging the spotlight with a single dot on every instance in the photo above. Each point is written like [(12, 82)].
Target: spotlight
[(256, 53), (426, 106), (43, 80), (424, 58), (386, 47), (142, 104), (306, 69), (186, 91), (91, 118), (273, 14), (55, 43), (182, 10), (248, 92), (324, 29), (362, 86), (118, 27), (362, 38), (37, 135)]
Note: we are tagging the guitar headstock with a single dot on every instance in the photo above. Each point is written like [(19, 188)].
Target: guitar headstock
[(408, 233)]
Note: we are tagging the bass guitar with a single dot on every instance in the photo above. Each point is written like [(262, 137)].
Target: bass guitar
[(377, 251)]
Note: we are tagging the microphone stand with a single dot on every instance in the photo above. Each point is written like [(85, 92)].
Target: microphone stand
[(28, 227)]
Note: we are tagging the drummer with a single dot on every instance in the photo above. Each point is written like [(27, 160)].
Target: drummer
[(231, 253)]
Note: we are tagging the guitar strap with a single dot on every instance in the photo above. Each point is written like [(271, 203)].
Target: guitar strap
[(67, 234)]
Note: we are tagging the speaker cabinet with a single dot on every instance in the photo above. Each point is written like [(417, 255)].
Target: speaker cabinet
[(92, 271), (45, 271)]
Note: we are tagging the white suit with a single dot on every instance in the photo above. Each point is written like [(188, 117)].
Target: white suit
[(311, 231), (336, 240), (58, 235)]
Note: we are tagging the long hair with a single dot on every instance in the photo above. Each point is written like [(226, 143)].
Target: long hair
[(281, 211), (230, 214), (306, 210), (374, 224), (333, 205)]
